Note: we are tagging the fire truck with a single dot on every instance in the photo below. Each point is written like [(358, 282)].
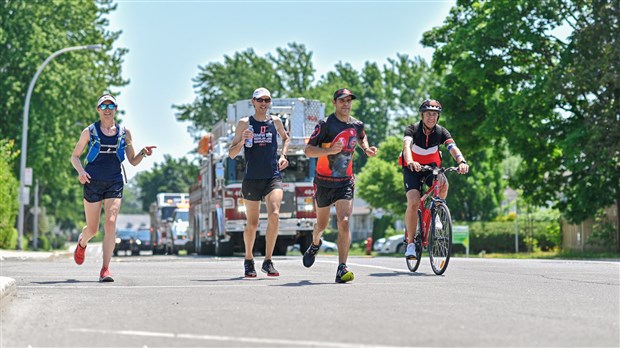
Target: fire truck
[(161, 212), (217, 211)]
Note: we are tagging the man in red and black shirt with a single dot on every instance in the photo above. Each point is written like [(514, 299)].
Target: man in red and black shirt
[(333, 142), (421, 147)]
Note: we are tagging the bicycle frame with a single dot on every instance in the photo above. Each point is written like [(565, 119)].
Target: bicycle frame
[(429, 202), (425, 214)]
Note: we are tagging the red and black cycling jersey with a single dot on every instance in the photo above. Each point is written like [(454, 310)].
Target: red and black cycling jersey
[(425, 148), (336, 170)]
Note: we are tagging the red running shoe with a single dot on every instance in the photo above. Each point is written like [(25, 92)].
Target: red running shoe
[(79, 253), (105, 276)]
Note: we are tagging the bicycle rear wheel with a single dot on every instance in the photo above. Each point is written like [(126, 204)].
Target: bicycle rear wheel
[(413, 264), (440, 239)]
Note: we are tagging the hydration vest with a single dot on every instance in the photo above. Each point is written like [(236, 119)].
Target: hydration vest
[(95, 147)]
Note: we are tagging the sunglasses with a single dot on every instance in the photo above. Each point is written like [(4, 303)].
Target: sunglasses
[(260, 100), (107, 106)]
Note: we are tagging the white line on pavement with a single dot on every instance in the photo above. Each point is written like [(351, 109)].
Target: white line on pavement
[(285, 342), (367, 266)]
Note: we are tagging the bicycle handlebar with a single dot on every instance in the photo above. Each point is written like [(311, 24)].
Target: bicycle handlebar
[(427, 168)]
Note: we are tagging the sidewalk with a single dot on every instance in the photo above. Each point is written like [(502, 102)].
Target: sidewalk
[(7, 285)]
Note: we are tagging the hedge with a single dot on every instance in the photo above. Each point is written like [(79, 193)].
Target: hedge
[(499, 237)]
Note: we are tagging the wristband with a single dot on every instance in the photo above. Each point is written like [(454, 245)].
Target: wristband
[(463, 162), (143, 153)]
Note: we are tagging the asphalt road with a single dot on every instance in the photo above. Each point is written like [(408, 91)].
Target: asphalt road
[(204, 301)]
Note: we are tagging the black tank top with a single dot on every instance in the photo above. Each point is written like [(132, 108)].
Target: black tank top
[(261, 160)]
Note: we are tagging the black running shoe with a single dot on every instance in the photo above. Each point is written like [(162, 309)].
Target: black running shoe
[(250, 272), (269, 269), (343, 274), (310, 254)]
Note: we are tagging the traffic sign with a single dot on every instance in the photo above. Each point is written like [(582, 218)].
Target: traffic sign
[(24, 197), (460, 235), (27, 176)]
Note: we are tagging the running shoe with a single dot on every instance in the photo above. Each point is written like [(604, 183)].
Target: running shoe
[(343, 274), (105, 276), (310, 254), (410, 253), (79, 254), (269, 269), (250, 272)]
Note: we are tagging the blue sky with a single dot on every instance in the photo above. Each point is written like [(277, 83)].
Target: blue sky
[(168, 40)]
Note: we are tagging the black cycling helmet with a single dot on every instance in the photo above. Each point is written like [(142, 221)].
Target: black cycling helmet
[(430, 104)]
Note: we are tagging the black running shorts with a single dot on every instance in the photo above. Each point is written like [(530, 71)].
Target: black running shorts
[(326, 196), (255, 190), (98, 190)]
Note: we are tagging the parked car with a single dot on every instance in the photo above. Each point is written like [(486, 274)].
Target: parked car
[(378, 244), (178, 231), (124, 241), (394, 244), (142, 241), (326, 246)]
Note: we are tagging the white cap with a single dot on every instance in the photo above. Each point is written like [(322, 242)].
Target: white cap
[(261, 92), (106, 97)]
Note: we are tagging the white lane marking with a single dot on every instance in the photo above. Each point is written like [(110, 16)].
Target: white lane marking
[(111, 286), (285, 342), (368, 266)]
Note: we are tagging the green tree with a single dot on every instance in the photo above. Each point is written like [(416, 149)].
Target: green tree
[(381, 180), (587, 81), (173, 175), (288, 74), (131, 198), (62, 102), (8, 196), (295, 71), (408, 83), (553, 102)]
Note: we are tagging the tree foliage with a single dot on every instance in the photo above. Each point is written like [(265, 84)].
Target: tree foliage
[(8, 195), (63, 100), (172, 175), (295, 71), (555, 103), (219, 84), (381, 180)]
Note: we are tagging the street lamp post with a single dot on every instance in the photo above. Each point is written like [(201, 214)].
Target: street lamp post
[(22, 167)]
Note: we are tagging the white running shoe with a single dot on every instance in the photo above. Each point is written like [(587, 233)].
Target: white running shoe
[(438, 224), (410, 253)]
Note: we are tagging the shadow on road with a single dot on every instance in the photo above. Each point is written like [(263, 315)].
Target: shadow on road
[(399, 274), (235, 279), (302, 283), (68, 281)]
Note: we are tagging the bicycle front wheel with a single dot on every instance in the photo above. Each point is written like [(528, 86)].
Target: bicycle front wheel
[(440, 239)]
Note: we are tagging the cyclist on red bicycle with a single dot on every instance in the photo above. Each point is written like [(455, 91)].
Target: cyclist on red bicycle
[(421, 147)]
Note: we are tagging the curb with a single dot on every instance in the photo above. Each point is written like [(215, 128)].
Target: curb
[(7, 289)]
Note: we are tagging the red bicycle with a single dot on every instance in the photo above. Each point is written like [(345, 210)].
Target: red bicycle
[(434, 220)]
